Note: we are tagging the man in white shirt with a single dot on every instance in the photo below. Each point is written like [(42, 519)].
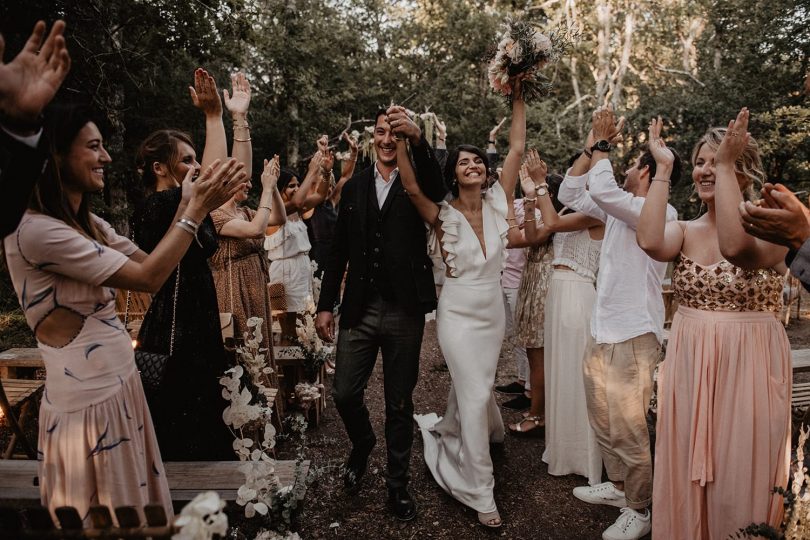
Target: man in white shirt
[(627, 325)]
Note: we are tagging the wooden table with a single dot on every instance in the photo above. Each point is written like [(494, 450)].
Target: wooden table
[(21, 357)]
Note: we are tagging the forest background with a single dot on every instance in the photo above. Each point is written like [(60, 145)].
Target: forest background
[(314, 63)]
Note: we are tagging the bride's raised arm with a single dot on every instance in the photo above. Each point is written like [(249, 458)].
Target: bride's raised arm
[(517, 145), (428, 210)]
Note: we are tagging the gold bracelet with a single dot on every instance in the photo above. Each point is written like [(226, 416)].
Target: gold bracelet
[(527, 220), (529, 199), (513, 227), (267, 207), (238, 125), (241, 140)]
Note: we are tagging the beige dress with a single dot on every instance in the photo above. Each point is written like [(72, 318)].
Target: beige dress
[(531, 302), (240, 276), (96, 440), (723, 428)]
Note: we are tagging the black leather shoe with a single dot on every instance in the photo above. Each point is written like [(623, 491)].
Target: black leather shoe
[(401, 503), (355, 469)]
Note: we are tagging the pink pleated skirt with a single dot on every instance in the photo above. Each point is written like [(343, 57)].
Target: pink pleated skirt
[(723, 431)]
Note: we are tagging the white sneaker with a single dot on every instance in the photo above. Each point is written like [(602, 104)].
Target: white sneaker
[(631, 525), (604, 493)]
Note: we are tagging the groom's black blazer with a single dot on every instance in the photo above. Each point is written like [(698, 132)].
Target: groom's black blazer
[(394, 238)]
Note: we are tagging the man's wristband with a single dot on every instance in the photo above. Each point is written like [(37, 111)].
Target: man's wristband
[(491, 141), (587, 153)]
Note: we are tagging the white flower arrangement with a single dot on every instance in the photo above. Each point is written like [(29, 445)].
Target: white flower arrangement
[(202, 518)]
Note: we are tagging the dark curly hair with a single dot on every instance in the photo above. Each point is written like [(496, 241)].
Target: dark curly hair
[(452, 160)]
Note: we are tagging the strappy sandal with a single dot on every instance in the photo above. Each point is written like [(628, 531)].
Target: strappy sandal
[(491, 520), (538, 430)]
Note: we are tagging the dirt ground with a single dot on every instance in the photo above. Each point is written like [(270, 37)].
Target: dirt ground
[(532, 503)]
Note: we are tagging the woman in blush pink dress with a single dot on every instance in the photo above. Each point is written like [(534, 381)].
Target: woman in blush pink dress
[(723, 429), (96, 441)]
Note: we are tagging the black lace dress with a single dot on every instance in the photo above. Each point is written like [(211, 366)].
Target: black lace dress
[(187, 411)]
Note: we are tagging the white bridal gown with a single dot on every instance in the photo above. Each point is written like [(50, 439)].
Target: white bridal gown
[(470, 322)]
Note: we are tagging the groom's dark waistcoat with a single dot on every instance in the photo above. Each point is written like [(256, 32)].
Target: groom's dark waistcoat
[(385, 248)]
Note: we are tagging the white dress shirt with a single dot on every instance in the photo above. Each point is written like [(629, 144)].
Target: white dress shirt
[(628, 287), (382, 186)]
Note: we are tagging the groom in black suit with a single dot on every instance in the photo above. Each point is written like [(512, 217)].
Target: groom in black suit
[(389, 288)]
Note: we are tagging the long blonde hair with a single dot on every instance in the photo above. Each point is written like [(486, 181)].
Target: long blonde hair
[(748, 165)]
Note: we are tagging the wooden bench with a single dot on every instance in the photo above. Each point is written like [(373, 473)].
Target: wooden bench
[(800, 358), (22, 393), (21, 357), (18, 478), (37, 523)]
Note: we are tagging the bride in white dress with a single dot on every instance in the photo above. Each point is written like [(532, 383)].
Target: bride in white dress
[(473, 231)]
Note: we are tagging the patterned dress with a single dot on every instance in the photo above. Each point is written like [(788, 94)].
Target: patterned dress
[(531, 302), (96, 440), (240, 275), (723, 428)]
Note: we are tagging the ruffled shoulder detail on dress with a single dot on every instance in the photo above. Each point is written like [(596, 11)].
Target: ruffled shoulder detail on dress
[(277, 238), (451, 220), (495, 197)]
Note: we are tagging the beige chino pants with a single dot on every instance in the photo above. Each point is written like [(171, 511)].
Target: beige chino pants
[(618, 388)]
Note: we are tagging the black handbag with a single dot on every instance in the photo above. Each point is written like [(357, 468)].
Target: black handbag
[(152, 365)]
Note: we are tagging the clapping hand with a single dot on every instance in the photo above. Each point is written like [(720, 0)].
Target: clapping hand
[(204, 93), (735, 140), (30, 81), (663, 156), (526, 182), (239, 100), (271, 172), (215, 185), (536, 167), (605, 127), (782, 218)]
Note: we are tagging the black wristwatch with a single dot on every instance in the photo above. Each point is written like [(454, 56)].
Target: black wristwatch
[(602, 146)]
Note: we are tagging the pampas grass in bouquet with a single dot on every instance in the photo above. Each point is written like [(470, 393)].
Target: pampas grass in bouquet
[(521, 53)]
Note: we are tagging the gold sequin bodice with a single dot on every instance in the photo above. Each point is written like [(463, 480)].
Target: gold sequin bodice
[(725, 287)]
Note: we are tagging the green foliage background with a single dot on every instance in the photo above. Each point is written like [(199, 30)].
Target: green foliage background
[(312, 63)]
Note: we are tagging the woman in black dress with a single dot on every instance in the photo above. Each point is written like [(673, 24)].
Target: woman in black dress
[(187, 410)]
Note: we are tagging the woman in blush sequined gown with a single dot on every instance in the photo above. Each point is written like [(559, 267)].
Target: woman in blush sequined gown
[(723, 426)]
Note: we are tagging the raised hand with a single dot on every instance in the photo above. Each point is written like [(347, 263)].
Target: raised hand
[(402, 125), (323, 143), (204, 93), (217, 184), (238, 101), (658, 149), (604, 126), (735, 140), (352, 142), (494, 131), (271, 172), (441, 128), (30, 81), (536, 167), (315, 163), (327, 163), (783, 220), (526, 182)]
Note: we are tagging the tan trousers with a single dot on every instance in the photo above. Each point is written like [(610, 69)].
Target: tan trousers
[(618, 387)]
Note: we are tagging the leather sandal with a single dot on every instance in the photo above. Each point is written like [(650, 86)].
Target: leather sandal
[(491, 520), (538, 430)]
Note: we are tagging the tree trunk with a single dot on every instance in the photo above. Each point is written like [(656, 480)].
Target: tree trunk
[(603, 51), (629, 23), (292, 135)]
